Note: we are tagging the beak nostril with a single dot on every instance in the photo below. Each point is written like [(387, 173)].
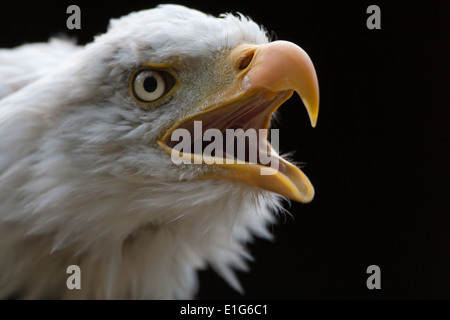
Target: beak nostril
[(245, 61)]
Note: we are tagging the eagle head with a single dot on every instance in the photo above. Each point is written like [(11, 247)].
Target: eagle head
[(117, 159)]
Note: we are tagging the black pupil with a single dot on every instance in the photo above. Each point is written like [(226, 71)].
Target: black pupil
[(150, 84)]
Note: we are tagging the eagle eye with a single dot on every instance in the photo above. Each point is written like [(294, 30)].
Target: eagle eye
[(149, 85)]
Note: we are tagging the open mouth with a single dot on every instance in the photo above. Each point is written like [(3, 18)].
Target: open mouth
[(233, 134), (250, 118)]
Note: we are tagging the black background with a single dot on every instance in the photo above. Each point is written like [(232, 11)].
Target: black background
[(378, 158)]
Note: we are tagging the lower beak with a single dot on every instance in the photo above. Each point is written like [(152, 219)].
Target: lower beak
[(268, 75)]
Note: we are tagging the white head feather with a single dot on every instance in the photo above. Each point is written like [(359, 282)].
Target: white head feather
[(83, 182)]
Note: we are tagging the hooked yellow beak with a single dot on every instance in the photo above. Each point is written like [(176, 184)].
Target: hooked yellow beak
[(266, 76)]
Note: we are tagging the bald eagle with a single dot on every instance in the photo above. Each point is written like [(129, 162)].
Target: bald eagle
[(87, 176)]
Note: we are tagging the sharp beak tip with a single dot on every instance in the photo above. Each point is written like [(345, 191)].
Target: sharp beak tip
[(314, 120)]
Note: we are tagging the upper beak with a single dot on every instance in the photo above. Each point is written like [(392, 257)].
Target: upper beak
[(266, 76), (279, 66)]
